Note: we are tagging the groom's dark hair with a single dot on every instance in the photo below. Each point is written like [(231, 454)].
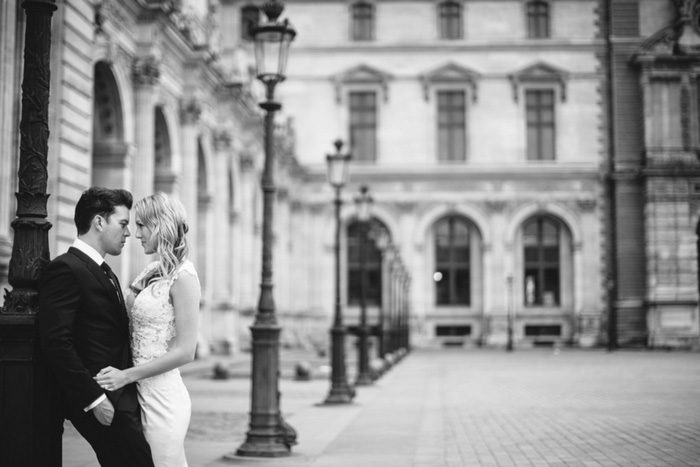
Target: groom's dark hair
[(99, 201)]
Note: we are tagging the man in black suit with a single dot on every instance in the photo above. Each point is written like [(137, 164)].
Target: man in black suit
[(84, 327)]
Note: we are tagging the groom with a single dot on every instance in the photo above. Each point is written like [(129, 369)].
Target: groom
[(84, 327)]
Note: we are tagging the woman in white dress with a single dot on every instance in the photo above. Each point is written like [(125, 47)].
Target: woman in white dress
[(163, 307)]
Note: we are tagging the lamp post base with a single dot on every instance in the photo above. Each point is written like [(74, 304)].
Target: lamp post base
[(249, 449), (364, 377), (340, 394), (364, 380), (269, 435)]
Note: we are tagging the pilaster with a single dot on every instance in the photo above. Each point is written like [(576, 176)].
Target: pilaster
[(145, 73)]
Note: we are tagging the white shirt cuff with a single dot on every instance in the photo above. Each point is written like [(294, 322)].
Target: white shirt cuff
[(96, 403)]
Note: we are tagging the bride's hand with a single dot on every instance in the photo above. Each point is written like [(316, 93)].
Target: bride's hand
[(111, 379)]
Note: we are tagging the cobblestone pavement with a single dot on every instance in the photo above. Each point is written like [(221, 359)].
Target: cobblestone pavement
[(465, 407)]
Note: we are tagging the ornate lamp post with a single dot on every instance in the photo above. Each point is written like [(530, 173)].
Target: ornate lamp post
[(510, 310), (341, 392), (30, 431), (363, 202), (382, 241), (269, 435)]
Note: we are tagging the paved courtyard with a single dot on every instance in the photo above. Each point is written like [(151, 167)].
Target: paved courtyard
[(463, 407)]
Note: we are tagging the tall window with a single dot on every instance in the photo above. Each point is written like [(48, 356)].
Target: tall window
[(250, 16), (666, 131), (451, 125), (542, 262), (539, 108), (452, 262), (358, 238), (450, 20), (362, 22), (363, 125), (537, 20)]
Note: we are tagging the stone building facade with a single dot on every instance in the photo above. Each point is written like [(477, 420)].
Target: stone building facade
[(478, 126), (142, 99), (533, 162), (654, 65)]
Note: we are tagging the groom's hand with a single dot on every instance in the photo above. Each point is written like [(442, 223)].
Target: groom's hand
[(104, 412)]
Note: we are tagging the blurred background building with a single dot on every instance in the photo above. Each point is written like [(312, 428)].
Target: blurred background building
[(534, 163)]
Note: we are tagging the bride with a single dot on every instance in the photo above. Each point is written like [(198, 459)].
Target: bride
[(163, 306)]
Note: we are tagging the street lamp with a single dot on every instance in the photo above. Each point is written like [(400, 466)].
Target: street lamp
[(341, 392), (269, 435), (29, 409), (383, 242), (510, 310), (363, 202)]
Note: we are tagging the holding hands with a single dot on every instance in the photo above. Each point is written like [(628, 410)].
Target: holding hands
[(111, 379)]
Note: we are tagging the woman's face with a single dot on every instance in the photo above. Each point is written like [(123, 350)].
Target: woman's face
[(144, 233)]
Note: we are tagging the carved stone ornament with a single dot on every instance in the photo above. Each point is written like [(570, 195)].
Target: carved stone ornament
[(451, 74), (145, 70), (539, 73), (246, 161), (362, 75), (108, 14), (405, 207), (496, 205), (190, 110), (680, 39), (222, 139), (586, 205)]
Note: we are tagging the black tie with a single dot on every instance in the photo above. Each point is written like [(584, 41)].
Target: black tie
[(113, 279)]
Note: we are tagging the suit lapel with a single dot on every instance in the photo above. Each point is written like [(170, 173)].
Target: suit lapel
[(102, 278)]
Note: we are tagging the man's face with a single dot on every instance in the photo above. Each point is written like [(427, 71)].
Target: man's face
[(115, 229)]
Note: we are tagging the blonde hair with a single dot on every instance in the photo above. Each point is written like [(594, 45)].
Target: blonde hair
[(166, 217)]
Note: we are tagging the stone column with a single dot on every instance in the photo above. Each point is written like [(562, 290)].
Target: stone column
[(190, 113), (223, 232), (145, 73)]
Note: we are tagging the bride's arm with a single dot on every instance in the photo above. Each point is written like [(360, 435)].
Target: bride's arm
[(185, 294)]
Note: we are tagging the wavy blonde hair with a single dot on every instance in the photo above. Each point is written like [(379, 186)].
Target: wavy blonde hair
[(166, 217)]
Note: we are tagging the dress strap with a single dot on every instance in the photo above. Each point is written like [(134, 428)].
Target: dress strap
[(188, 267)]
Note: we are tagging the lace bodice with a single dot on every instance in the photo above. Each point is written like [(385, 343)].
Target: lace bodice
[(152, 316)]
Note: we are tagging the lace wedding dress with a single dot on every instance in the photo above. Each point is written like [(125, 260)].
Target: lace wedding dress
[(165, 402)]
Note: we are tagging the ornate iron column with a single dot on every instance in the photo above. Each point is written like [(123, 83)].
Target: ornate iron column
[(341, 391), (30, 432), (268, 435), (364, 377)]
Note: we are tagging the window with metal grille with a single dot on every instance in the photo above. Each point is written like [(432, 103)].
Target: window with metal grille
[(537, 20), (363, 126), (452, 274), (452, 331), (450, 19), (539, 110), (362, 22), (364, 262), (250, 16), (452, 136), (542, 262)]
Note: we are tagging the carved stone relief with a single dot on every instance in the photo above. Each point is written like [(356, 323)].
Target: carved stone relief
[(145, 70), (190, 111)]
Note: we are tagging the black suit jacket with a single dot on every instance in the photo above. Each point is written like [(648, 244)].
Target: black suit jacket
[(83, 328)]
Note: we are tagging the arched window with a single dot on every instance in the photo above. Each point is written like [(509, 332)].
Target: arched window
[(362, 22), (360, 243), (250, 16), (450, 20), (452, 274), (537, 20), (542, 262)]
